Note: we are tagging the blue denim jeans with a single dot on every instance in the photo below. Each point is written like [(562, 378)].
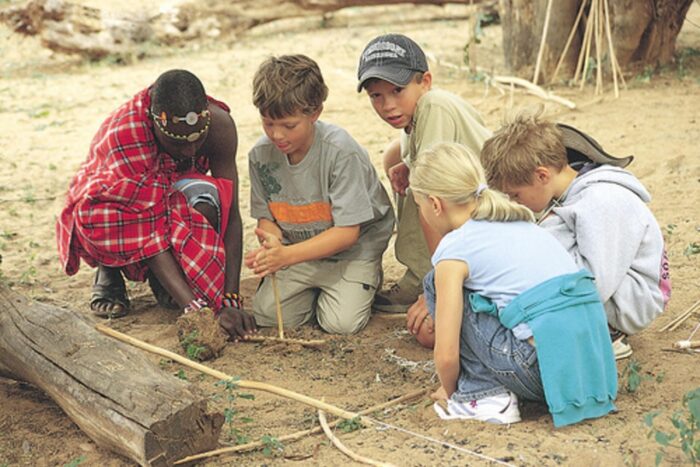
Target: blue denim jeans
[(492, 359)]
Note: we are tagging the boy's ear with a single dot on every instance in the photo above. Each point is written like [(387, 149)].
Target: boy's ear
[(542, 175), (314, 116), (427, 80)]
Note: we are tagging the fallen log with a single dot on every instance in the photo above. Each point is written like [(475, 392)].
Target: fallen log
[(117, 396)]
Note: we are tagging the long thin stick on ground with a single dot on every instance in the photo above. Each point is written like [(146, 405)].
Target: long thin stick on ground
[(675, 322), (246, 384), (303, 433), (344, 449), (543, 41), (315, 343), (278, 304)]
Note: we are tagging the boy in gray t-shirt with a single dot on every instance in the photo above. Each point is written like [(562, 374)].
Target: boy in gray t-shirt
[(324, 218)]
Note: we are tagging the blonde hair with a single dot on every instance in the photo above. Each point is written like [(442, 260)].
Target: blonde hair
[(522, 144), (452, 172), (286, 84)]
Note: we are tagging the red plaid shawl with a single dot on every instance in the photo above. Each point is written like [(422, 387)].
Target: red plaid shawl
[(121, 207)]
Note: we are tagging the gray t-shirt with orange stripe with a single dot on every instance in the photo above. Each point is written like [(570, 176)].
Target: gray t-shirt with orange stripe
[(335, 184)]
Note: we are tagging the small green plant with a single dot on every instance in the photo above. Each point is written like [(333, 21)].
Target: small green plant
[(350, 425), (230, 387), (645, 75), (272, 446), (687, 424), (692, 249), (181, 374), (682, 60), (75, 462), (633, 377), (192, 349), (670, 228)]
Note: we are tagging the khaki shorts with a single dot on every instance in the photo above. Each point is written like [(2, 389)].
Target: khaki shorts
[(338, 293)]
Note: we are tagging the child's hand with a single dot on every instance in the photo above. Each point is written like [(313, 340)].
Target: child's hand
[(439, 395), (417, 316), (269, 258), (398, 176)]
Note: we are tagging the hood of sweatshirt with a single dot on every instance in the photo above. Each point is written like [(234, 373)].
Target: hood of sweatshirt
[(606, 174)]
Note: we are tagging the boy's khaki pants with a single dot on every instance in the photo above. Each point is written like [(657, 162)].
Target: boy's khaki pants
[(340, 293), (410, 248)]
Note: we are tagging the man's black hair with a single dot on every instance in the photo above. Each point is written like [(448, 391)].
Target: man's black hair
[(177, 92)]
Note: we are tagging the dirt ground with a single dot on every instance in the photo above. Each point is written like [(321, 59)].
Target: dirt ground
[(50, 106)]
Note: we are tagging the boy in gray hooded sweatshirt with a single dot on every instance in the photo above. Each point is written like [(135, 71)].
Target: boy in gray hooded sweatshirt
[(596, 209)]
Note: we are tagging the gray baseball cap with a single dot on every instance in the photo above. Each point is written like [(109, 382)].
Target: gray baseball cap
[(391, 57)]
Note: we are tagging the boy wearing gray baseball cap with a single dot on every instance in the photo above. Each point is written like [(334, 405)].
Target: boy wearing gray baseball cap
[(394, 72)]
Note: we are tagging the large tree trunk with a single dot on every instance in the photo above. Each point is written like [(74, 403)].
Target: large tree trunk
[(118, 397), (643, 32)]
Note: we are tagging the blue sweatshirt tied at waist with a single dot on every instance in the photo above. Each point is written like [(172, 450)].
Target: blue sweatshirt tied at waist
[(573, 345)]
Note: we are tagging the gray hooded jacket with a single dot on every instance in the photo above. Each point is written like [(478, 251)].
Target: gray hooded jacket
[(605, 224)]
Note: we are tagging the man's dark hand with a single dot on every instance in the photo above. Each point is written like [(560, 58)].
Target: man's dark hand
[(238, 323)]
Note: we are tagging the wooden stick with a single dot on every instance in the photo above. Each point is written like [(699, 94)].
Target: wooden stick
[(589, 39), (598, 43), (675, 322), (568, 42), (686, 345), (315, 343), (543, 41), (342, 448), (613, 57), (224, 377), (611, 50), (278, 304), (302, 433), (534, 89), (582, 51)]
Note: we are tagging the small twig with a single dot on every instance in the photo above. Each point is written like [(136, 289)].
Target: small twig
[(598, 44), (300, 434), (675, 322), (390, 316), (534, 89), (342, 448), (278, 304), (543, 41), (315, 343), (686, 345), (588, 36), (27, 200)]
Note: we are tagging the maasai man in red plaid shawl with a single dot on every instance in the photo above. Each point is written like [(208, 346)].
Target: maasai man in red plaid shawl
[(142, 205)]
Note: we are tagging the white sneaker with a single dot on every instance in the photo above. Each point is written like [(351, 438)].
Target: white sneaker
[(499, 409), (621, 347)]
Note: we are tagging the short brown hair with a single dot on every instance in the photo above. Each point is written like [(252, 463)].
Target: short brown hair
[(286, 84), (524, 143)]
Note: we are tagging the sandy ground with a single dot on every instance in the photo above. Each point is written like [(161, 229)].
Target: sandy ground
[(50, 106)]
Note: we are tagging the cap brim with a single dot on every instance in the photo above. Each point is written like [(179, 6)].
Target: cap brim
[(397, 76), (579, 146)]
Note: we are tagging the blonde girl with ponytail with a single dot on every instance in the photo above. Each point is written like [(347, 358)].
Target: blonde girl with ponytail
[(492, 263)]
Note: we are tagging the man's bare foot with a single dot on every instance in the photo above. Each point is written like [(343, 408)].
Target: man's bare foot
[(109, 298)]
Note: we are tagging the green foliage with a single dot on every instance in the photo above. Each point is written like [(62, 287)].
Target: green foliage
[(272, 446), (230, 387), (350, 425), (687, 429), (633, 377), (670, 228), (683, 58), (645, 75), (181, 374), (75, 462), (691, 249), (192, 349)]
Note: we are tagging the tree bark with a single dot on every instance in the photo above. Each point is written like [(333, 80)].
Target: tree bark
[(643, 32), (118, 397)]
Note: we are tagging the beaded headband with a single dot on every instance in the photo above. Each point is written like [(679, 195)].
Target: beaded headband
[(191, 119)]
